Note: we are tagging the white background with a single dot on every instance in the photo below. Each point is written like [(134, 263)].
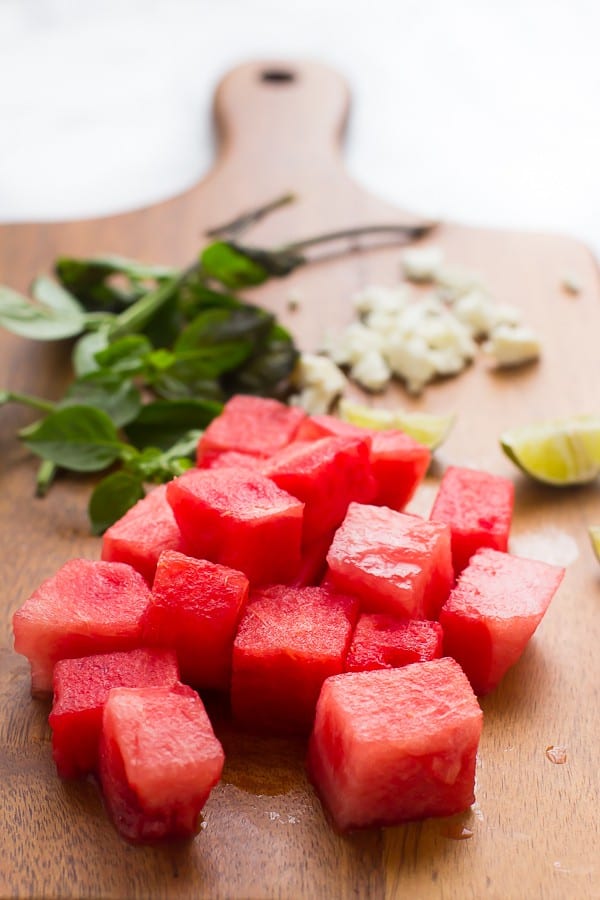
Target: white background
[(486, 112)]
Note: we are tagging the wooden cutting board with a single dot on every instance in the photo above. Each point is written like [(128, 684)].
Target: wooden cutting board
[(534, 829)]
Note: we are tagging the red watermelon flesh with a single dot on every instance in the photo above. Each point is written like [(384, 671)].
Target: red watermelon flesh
[(159, 761), (314, 427), (288, 642), (81, 688), (195, 609), (313, 562), (386, 642), (498, 602), (86, 607), (396, 744), (478, 507), (241, 519), (253, 425), (327, 475), (398, 462), (399, 465), (231, 459), (141, 535), (395, 563)]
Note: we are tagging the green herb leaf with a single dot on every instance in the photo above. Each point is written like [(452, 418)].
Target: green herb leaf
[(79, 438), (277, 263), (216, 326), (112, 497), (51, 294), (85, 350), (36, 321), (227, 264), (163, 422), (268, 372), (109, 391), (92, 281), (125, 355)]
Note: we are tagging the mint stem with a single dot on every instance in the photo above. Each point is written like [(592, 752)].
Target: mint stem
[(45, 477), (28, 400), (243, 222), (409, 231)]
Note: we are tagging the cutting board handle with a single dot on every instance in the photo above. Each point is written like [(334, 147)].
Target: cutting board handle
[(274, 109)]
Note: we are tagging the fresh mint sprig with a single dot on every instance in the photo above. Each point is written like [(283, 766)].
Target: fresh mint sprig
[(158, 351)]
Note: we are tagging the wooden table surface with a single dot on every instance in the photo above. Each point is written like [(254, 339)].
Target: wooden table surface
[(533, 831)]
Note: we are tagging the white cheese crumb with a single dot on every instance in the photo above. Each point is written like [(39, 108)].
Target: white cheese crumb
[(371, 371), (454, 281), (410, 359), (513, 345), (347, 347), (376, 298), (477, 311), (319, 381), (422, 264)]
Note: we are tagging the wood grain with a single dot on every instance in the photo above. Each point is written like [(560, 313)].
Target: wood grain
[(534, 828)]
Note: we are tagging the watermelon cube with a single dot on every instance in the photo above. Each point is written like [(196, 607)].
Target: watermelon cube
[(141, 535), (241, 519), (159, 760), (395, 744), (394, 562), (498, 602), (386, 642), (195, 609), (288, 642), (398, 462), (86, 607), (478, 507), (230, 459), (254, 425), (399, 465), (81, 688), (326, 475)]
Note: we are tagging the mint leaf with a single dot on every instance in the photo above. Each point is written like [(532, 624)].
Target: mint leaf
[(79, 438), (38, 322), (112, 497)]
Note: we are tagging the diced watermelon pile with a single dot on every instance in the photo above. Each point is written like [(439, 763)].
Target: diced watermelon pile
[(284, 574)]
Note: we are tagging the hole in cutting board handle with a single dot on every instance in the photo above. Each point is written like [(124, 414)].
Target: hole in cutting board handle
[(277, 76)]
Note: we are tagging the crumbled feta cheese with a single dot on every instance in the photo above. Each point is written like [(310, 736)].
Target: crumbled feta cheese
[(418, 337), (513, 345), (320, 383), (507, 315), (476, 310), (449, 361), (410, 359), (376, 298), (371, 371), (422, 264), (454, 281), (381, 321), (347, 347)]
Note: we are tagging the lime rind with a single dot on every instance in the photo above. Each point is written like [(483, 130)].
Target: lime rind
[(594, 533), (429, 429), (560, 452)]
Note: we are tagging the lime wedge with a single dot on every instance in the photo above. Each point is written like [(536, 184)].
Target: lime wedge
[(560, 452), (594, 533), (427, 428)]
